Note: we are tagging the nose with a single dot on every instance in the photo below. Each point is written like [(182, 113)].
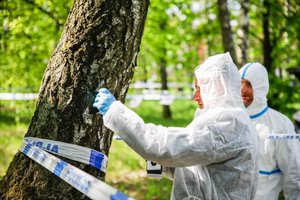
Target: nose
[(243, 90), (196, 96)]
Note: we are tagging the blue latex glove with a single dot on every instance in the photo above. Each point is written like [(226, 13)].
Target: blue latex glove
[(103, 100)]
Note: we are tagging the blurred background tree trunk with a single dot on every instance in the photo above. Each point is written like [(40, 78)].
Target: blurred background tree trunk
[(245, 30), (166, 114), (267, 46), (98, 48), (227, 35)]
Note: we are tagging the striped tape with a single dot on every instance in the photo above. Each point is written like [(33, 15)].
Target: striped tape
[(284, 136), (116, 137), (82, 181), (71, 151)]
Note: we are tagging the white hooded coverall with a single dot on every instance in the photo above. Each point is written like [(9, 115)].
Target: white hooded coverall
[(215, 155), (279, 162)]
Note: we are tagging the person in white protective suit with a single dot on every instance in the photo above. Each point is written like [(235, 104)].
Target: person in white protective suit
[(215, 155), (279, 162)]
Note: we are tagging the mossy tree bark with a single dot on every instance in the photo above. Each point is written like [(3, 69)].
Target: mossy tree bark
[(98, 48)]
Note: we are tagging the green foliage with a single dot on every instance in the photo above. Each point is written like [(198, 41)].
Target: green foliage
[(180, 32), (29, 32), (169, 36), (282, 95)]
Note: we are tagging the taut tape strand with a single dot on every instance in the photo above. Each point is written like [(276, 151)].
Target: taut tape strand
[(284, 136), (82, 181), (71, 151)]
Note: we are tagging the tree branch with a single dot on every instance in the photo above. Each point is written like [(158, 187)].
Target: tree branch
[(34, 4)]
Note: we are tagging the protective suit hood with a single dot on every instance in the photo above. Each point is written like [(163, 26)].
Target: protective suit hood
[(220, 83), (260, 86)]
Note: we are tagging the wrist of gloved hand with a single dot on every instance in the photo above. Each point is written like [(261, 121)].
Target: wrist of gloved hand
[(103, 100)]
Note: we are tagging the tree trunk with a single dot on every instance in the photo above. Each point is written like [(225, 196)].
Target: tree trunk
[(267, 46), (167, 114), (209, 40), (227, 35), (245, 30), (98, 48)]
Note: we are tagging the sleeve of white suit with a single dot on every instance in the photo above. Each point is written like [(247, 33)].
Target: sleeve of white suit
[(177, 147), (288, 157)]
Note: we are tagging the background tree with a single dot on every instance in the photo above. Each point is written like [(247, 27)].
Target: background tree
[(267, 46), (28, 33), (98, 48), (227, 35), (244, 31)]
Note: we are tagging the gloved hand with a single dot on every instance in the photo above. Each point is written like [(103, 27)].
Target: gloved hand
[(103, 100)]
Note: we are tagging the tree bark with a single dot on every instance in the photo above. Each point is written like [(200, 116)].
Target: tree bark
[(166, 114), (98, 48), (209, 40), (227, 35), (267, 46), (245, 30)]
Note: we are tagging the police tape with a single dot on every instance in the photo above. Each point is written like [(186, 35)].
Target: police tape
[(116, 137), (284, 136), (82, 181), (71, 151)]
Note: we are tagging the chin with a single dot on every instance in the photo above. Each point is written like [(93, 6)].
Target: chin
[(247, 104)]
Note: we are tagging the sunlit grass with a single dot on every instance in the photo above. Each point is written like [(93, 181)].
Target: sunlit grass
[(14, 120), (127, 172), (10, 141)]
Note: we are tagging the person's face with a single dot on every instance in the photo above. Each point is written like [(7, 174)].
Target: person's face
[(247, 92), (197, 95)]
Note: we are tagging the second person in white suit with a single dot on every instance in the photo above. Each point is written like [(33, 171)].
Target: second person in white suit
[(279, 161)]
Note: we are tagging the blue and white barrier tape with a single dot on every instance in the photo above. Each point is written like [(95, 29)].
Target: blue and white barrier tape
[(116, 137), (71, 151), (284, 136), (82, 181)]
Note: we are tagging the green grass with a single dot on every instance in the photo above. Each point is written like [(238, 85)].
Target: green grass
[(10, 141), (127, 172), (14, 120), (126, 169)]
